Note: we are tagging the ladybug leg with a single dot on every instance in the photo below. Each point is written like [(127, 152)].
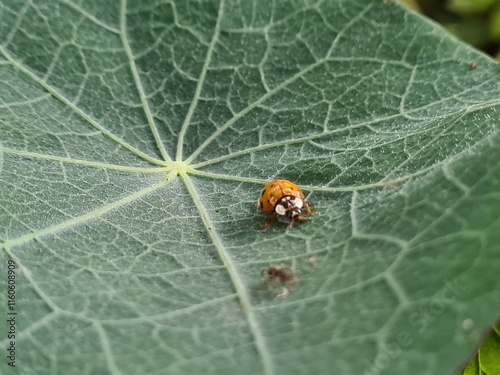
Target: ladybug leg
[(308, 209), (269, 221), (295, 219)]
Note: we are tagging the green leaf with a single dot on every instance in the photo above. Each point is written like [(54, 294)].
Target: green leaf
[(487, 361), (489, 355), (136, 137)]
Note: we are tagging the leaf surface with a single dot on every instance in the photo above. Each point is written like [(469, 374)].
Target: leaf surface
[(136, 137)]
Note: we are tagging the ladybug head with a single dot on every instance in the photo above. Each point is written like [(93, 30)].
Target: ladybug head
[(290, 207)]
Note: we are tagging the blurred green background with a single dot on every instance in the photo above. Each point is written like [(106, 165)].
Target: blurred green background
[(476, 22)]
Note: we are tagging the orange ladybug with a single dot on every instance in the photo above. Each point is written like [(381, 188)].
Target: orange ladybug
[(283, 198)]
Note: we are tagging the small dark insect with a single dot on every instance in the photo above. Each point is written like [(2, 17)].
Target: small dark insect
[(280, 275), (473, 66)]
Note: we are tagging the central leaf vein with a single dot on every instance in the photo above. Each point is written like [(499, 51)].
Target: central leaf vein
[(260, 342)]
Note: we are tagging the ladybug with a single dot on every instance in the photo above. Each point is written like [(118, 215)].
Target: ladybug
[(284, 199)]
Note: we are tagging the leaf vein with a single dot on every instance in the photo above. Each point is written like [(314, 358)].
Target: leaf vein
[(77, 110), (260, 342), (89, 215), (138, 83), (201, 81)]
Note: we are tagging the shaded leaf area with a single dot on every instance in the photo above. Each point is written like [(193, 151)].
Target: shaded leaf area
[(135, 139)]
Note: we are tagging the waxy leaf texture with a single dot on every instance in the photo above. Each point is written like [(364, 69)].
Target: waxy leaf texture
[(135, 137)]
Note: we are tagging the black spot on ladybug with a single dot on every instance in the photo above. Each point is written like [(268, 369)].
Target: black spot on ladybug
[(261, 205), (262, 193)]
